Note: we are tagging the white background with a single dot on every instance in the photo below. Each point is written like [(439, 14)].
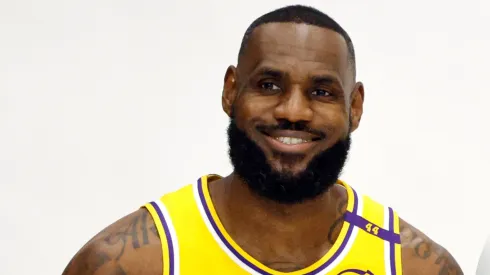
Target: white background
[(484, 261), (105, 105)]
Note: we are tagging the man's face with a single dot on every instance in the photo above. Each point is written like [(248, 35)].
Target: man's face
[(293, 103)]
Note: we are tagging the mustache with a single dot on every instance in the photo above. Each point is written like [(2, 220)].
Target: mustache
[(292, 126)]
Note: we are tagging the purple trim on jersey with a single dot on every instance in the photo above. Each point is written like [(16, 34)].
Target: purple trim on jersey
[(362, 223), (169, 238), (392, 244), (251, 265), (356, 271)]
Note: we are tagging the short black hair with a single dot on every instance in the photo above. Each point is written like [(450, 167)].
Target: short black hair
[(300, 14)]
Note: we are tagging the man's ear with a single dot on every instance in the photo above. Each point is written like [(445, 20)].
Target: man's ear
[(356, 106), (229, 90)]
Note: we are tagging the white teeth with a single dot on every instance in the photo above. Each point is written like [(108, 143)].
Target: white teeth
[(291, 140)]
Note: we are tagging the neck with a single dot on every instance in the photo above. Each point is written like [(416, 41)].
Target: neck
[(243, 209)]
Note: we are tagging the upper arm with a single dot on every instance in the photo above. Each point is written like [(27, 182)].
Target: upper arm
[(423, 256), (130, 245)]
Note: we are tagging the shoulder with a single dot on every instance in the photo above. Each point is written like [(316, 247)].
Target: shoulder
[(420, 254), (423, 256), (128, 246)]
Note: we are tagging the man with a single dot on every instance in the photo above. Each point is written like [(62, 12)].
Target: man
[(293, 102)]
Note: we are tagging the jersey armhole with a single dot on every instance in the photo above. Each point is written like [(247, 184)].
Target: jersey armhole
[(397, 246), (167, 236)]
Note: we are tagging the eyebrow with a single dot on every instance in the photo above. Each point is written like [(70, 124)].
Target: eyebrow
[(324, 79), (268, 71)]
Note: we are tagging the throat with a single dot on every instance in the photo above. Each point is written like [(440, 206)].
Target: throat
[(283, 237)]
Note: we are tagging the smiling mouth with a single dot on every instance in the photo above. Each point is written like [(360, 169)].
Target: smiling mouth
[(292, 140), (292, 137)]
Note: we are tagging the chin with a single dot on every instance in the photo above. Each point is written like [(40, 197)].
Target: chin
[(293, 163), (288, 167)]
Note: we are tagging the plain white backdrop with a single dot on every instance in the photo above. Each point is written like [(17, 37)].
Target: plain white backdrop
[(484, 262), (107, 104)]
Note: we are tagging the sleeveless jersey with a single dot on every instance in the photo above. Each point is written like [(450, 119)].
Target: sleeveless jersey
[(194, 240)]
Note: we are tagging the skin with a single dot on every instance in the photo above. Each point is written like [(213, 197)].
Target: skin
[(285, 237)]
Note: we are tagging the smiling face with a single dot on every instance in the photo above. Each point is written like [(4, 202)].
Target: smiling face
[(293, 97)]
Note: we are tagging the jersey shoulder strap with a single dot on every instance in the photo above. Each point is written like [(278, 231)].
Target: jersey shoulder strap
[(382, 225), (165, 225)]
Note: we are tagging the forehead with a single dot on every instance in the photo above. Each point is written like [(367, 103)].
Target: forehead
[(297, 49)]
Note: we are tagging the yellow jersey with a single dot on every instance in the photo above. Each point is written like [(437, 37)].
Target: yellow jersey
[(194, 240)]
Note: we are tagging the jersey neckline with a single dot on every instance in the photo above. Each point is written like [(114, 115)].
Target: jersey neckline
[(245, 260)]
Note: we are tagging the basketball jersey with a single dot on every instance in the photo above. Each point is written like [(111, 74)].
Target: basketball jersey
[(194, 240)]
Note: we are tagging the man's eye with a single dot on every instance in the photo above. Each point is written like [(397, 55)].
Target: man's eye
[(269, 86), (320, 92)]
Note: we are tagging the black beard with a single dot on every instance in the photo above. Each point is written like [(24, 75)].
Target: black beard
[(251, 165)]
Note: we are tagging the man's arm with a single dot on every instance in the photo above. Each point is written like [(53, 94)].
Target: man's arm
[(129, 246), (423, 256)]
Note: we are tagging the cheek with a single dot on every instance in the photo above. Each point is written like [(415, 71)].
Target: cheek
[(254, 107), (333, 120)]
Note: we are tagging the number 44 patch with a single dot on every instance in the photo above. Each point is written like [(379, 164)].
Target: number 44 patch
[(373, 229)]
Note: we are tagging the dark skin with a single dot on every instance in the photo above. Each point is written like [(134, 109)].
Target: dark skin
[(308, 78)]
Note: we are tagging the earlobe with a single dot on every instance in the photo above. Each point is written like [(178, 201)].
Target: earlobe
[(229, 90), (357, 103)]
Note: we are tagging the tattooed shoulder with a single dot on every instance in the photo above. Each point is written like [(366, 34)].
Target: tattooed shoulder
[(423, 256), (117, 248)]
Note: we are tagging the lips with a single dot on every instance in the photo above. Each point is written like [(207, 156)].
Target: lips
[(291, 141), (289, 136)]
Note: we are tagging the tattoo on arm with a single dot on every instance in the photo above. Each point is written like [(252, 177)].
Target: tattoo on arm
[(88, 262), (111, 247), (425, 249), (448, 264), (131, 234)]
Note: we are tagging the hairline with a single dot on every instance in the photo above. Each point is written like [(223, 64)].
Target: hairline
[(349, 45)]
